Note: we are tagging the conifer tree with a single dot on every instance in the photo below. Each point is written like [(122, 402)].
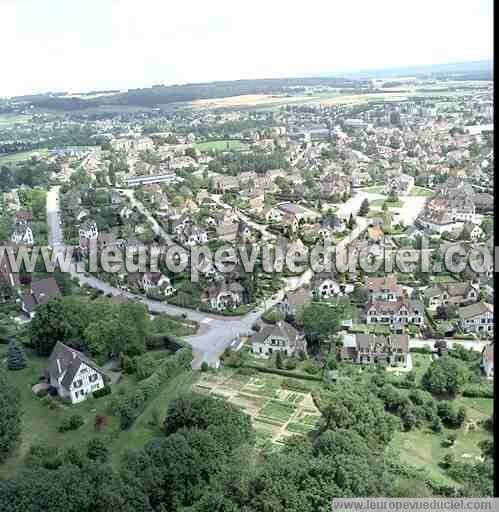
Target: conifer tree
[(16, 358)]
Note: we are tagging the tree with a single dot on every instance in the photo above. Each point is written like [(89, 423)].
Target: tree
[(10, 417), (48, 326), (320, 322), (364, 208), (16, 357), (351, 222), (445, 375)]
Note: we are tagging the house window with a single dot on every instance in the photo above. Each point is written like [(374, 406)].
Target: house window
[(93, 377), (78, 383)]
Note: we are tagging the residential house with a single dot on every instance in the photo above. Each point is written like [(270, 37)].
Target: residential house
[(73, 374), (23, 235), (87, 231), (395, 313), (157, 282), (477, 318), (227, 231), (453, 293), (299, 212), (272, 214), (280, 337), (294, 301), (392, 350), (222, 184), (191, 235), (225, 296), (325, 285), (398, 183), (40, 293), (384, 288), (9, 280)]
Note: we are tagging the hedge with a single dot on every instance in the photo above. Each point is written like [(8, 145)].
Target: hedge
[(284, 373), (130, 406), (479, 391), (106, 390)]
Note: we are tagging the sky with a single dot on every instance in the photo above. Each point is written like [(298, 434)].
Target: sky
[(83, 45)]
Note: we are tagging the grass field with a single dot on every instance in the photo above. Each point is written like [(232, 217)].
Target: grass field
[(21, 156), (420, 191), (378, 203), (424, 449), (40, 421), (379, 189), (220, 145)]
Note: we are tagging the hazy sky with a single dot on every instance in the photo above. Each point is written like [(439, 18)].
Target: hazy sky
[(78, 45)]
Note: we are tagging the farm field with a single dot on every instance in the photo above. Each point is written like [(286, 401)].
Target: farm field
[(7, 120), (42, 416), (276, 410), (22, 155), (220, 145)]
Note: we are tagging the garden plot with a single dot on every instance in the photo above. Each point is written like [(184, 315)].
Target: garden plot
[(276, 412)]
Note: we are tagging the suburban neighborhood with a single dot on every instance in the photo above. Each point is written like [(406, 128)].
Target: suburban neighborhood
[(273, 384)]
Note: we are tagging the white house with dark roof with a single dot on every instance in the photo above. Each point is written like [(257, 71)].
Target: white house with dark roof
[(477, 318), (392, 350), (452, 293), (23, 235), (73, 374), (280, 337), (396, 314)]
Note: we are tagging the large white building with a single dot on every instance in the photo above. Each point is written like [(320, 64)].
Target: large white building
[(73, 374)]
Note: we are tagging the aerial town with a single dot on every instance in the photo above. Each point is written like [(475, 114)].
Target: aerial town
[(292, 366)]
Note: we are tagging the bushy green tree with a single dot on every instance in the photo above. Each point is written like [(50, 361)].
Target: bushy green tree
[(445, 375)]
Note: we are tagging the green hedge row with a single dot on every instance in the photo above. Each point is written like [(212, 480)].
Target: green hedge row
[(479, 391), (284, 373), (130, 406)]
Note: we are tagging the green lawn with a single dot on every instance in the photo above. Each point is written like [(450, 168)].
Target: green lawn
[(423, 449), (220, 145), (420, 191), (40, 422), (373, 190), (279, 411), (390, 204)]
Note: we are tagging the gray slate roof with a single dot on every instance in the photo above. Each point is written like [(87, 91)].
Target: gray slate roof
[(70, 361)]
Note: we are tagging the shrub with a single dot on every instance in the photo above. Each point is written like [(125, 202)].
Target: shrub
[(290, 364), (204, 366), (436, 426), (74, 422), (106, 390), (311, 368), (449, 415)]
